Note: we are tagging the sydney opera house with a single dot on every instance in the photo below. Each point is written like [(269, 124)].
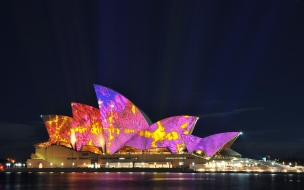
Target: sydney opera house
[(120, 135)]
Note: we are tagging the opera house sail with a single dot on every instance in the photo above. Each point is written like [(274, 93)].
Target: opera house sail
[(119, 134), (121, 119)]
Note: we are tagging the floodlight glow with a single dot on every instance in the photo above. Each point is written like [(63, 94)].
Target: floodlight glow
[(87, 126)]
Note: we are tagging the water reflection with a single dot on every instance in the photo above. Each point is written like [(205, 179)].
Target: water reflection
[(144, 180)]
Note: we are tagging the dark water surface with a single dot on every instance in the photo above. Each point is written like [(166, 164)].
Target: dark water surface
[(144, 180)]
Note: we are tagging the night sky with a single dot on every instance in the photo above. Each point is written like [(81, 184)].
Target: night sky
[(238, 65)]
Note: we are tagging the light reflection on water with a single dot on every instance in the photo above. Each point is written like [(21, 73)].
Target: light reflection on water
[(144, 180)]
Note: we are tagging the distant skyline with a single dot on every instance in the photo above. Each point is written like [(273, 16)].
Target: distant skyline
[(238, 66)]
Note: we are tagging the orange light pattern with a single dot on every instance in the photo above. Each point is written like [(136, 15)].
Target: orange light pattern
[(87, 126), (90, 148), (58, 127), (43, 144), (164, 133), (66, 144), (83, 129)]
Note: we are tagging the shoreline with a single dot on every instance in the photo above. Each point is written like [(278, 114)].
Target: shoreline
[(149, 170)]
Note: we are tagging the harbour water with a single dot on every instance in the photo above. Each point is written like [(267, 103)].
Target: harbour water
[(145, 180)]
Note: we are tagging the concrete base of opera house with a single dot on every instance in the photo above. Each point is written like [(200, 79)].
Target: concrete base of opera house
[(57, 156)]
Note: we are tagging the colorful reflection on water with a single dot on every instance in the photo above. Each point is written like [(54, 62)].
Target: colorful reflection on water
[(144, 180)]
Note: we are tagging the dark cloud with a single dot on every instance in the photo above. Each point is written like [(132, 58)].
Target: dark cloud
[(17, 140)]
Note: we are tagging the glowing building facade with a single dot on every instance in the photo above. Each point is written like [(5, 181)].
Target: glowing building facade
[(119, 127), (164, 134), (121, 119), (211, 144)]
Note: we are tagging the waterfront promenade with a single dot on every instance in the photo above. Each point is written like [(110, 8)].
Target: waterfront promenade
[(150, 170)]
